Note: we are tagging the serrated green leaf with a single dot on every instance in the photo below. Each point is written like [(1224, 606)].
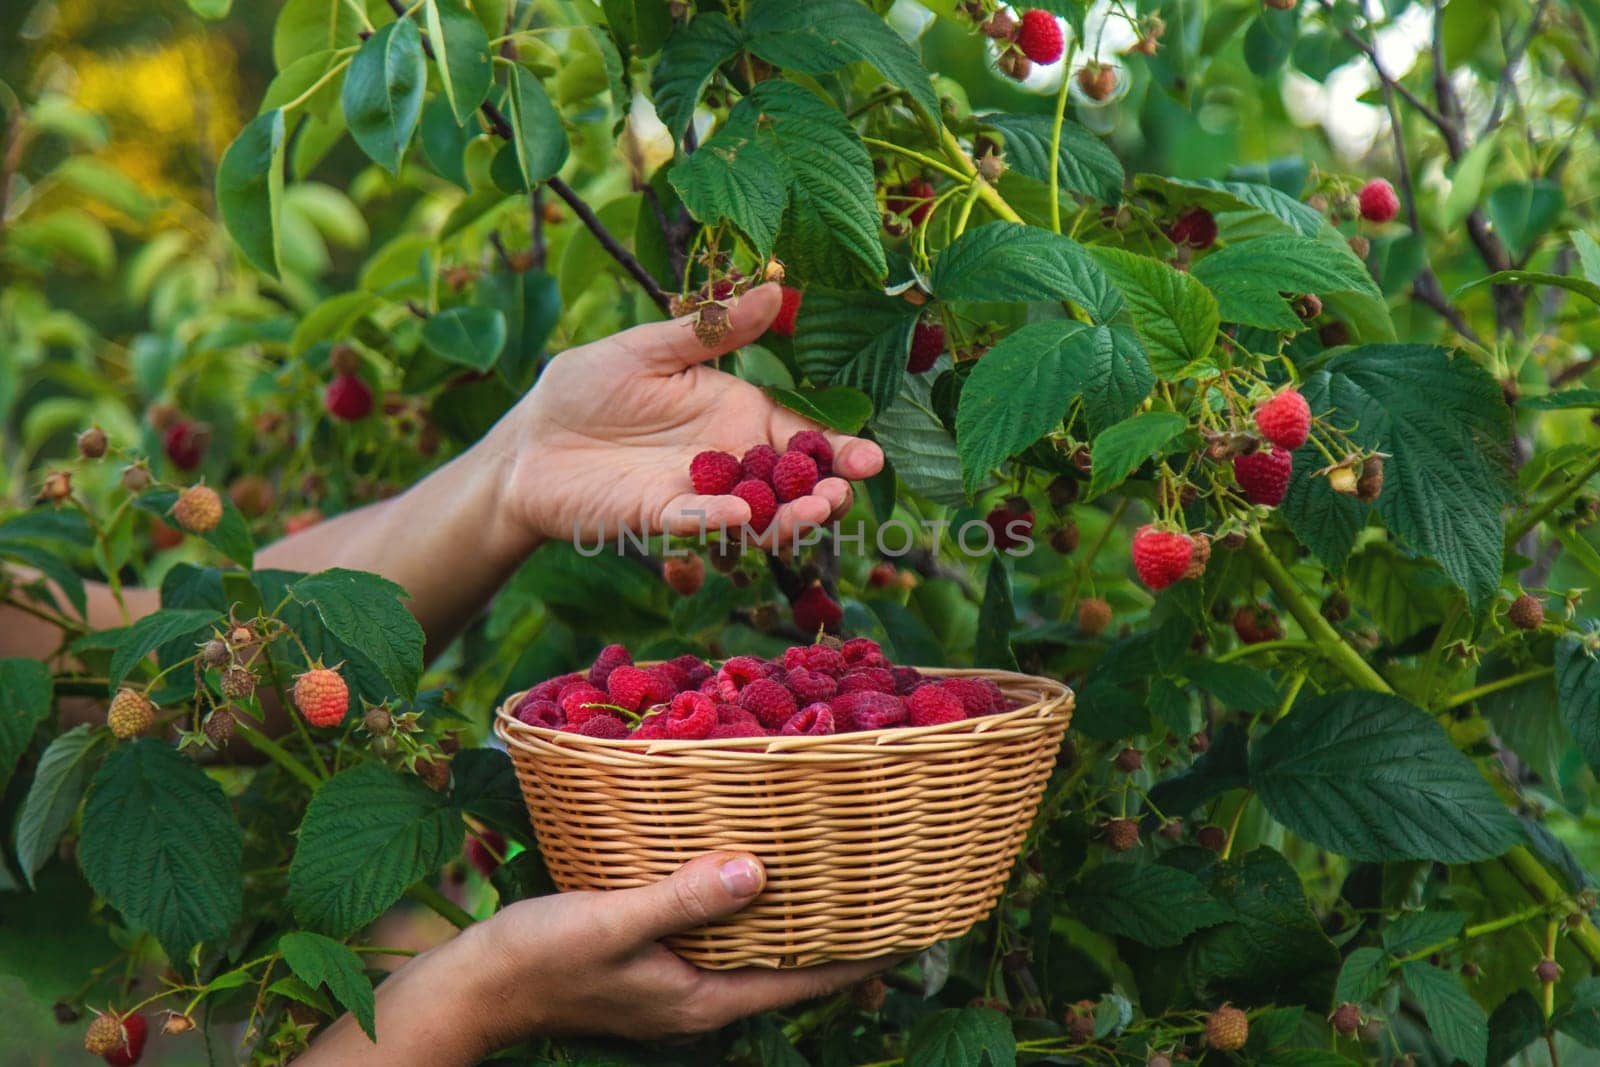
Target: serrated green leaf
[(368, 834), (1085, 165), (1121, 448), (52, 798), (1364, 973), (1415, 930), (690, 56), (996, 615), (461, 54), (1248, 277), (855, 339), (1174, 314), (1236, 686), (541, 140), (319, 961), (1371, 777), (471, 336), (1588, 255), (1562, 398), (250, 191), (837, 407), (1233, 201), (1522, 212), (1404, 594), (26, 694), (1150, 903), (1456, 1020), (367, 613), (734, 176), (151, 632), (970, 1037), (919, 449), (148, 807), (50, 563), (382, 94), (1010, 261), (1579, 1017), (1517, 1023), (1578, 692), (1221, 768), (1589, 290)]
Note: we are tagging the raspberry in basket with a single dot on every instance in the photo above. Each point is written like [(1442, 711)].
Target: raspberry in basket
[(978, 696), (867, 710), (551, 689), (932, 704), (813, 720), (809, 686), (737, 673), (768, 701), (610, 658), (732, 716), (544, 713), (691, 717), (693, 668), (607, 727), (815, 658), (579, 702), (906, 679), (863, 652), (860, 679), (636, 689)]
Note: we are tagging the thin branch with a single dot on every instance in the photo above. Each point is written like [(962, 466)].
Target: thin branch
[(1509, 73)]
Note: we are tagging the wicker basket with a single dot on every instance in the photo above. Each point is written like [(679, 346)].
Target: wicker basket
[(874, 843)]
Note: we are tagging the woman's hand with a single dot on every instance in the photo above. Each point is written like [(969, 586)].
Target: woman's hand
[(580, 963), (604, 440)]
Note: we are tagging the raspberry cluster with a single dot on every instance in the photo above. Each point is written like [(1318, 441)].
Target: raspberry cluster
[(765, 477), (832, 687)]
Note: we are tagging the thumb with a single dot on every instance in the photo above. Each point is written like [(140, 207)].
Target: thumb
[(673, 345), (704, 889)]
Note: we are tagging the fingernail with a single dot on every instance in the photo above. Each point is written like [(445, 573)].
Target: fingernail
[(741, 877)]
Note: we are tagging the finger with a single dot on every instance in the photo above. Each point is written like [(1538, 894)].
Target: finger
[(729, 995), (691, 515), (672, 345), (710, 887)]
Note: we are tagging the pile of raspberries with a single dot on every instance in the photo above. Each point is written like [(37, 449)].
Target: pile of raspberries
[(811, 690), (765, 477)]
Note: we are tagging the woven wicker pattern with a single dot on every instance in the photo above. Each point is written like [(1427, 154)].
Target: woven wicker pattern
[(874, 843)]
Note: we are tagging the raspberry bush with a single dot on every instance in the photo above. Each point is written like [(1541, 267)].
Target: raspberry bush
[(1277, 447)]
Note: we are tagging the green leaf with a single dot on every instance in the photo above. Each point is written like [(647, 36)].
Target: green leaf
[(307, 26), (1588, 255), (1456, 1020), (1022, 388), (250, 191), (1446, 428), (1174, 314), (230, 536), (211, 9), (53, 565), (1150, 903), (962, 1037), (151, 632), (855, 339), (1010, 261), (919, 449), (1579, 1017), (1236, 686), (820, 36), (1221, 768), (368, 834), (1582, 286), (1466, 182), (1578, 693), (26, 692), (1121, 448), (996, 615), (1364, 973), (461, 53), (1416, 930), (382, 95), (689, 58), (734, 176), (837, 407), (1235, 202), (1562, 398), (485, 785), (52, 798), (1248, 277), (541, 139), (367, 613), (1522, 212), (1517, 1023), (471, 336), (1403, 593), (1370, 777), (319, 961), (160, 843), (1084, 165)]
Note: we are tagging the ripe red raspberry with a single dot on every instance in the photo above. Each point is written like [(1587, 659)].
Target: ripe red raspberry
[(734, 675), (1196, 228), (787, 312), (914, 201), (736, 731), (1011, 523), (810, 687), (551, 688), (863, 652), (185, 444), (813, 443), (1263, 476), (821, 658), (1040, 37), (348, 398), (768, 701), (813, 720), (674, 678), (794, 476), (198, 509), (867, 710), (1128, 760), (1211, 837), (814, 610), (1378, 201), (1120, 834), (930, 704), (118, 1039), (694, 669), (1526, 612), (927, 345), (1285, 420), (321, 696), (1161, 556), (758, 463), (1227, 1029), (652, 727), (1255, 623), (130, 714), (684, 574), (485, 851), (600, 727), (690, 717), (581, 701), (714, 473), (1094, 614), (610, 658), (545, 713), (636, 689), (882, 576), (978, 696), (763, 504), (1346, 1019), (906, 679), (867, 679)]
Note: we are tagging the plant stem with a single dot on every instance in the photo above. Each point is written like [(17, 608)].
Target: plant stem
[(1533, 518), (1055, 142), (913, 154), (1287, 644), (277, 754), (986, 192), (1493, 926), (423, 893), (1094, 550), (1467, 696), (581, 209)]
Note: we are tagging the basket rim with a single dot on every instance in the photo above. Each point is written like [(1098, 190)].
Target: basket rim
[(1055, 703)]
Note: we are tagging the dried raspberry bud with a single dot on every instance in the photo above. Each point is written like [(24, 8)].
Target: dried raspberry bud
[(238, 683), (177, 1023), (1346, 1019), (92, 443), (1343, 476), (1470, 970), (130, 714), (1360, 246), (1062, 491), (1014, 65), (198, 509), (712, 324), (1172, 830), (218, 727), (1334, 334), (57, 487), (1080, 1022), (991, 167), (1065, 538), (1336, 607), (214, 653), (241, 636), (436, 772), (1128, 760), (1094, 614), (135, 477), (1308, 306), (1547, 971), (1002, 25), (1370, 485), (1214, 838), (1227, 1029), (253, 495), (377, 721), (1526, 612), (1097, 80), (1159, 1059), (1202, 556), (684, 574), (1120, 834), (773, 272)]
